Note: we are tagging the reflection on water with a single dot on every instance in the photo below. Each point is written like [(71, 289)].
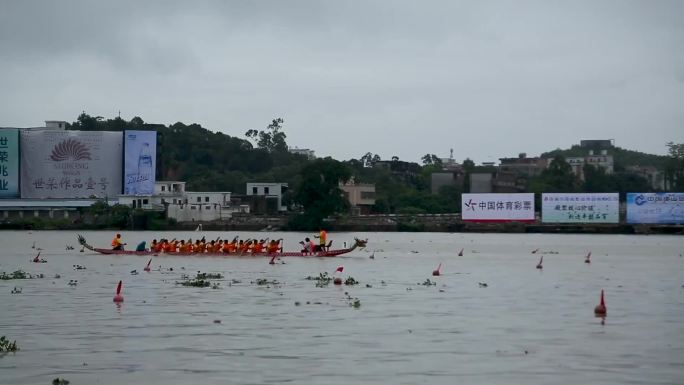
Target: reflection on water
[(491, 317)]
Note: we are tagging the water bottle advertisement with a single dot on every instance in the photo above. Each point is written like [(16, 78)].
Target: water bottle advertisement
[(140, 162)]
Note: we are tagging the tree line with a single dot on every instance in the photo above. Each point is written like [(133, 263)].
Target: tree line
[(214, 161)]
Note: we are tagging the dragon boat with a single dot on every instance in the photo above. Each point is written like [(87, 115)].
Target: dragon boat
[(358, 243)]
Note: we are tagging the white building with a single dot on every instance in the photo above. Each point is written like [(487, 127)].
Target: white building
[(269, 190), (184, 206), (600, 161), (310, 154)]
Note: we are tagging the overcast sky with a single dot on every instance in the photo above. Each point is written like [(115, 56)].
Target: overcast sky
[(487, 78)]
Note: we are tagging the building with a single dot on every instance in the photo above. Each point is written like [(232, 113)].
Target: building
[(522, 165), (310, 154), (481, 182), (361, 196), (600, 144), (272, 191), (44, 208), (182, 205), (599, 159), (655, 178), (441, 179)]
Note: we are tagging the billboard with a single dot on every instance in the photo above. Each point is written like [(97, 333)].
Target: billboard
[(662, 208), (9, 163), (497, 207), (581, 208), (70, 164), (140, 158)]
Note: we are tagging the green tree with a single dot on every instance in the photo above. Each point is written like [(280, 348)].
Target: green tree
[(431, 159), (319, 192), (674, 166), (272, 139), (558, 177)]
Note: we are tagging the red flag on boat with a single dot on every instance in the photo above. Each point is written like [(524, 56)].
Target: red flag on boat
[(339, 269)]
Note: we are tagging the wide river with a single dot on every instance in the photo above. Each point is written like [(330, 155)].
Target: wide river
[(527, 326)]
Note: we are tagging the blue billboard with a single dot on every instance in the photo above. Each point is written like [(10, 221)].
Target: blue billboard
[(657, 208), (140, 161), (9, 163)]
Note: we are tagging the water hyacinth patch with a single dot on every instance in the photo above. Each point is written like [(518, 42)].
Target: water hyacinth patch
[(6, 346), (19, 274)]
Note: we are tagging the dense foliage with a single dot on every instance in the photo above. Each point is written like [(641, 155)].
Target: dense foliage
[(214, 161)]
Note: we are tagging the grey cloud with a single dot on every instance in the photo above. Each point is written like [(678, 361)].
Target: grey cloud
[(402, 78)]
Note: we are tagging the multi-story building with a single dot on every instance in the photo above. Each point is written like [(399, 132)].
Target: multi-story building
[(601, 160), (272, 191), (310, 154), (361, 196), (522, 165)]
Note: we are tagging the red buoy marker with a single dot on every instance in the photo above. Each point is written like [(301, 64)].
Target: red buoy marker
[(539, 265), (147, 268), (118, 297), (338, 280), (460, 253), (587, 259), (436, 271), (600, 309)]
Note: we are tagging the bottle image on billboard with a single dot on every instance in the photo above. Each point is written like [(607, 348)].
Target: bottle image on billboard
[(138, 181)]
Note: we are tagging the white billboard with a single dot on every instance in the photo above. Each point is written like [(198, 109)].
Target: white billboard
[(661, 208), (581, 208), (497, 207), (139, 162), (70, 164)]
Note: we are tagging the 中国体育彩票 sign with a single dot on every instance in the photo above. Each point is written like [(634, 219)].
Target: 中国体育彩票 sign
[(497, 207)]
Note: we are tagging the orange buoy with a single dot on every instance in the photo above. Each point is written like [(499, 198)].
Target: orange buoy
[(436, 271), (587, 259), (600, 309), (539, 265), (118, 297)]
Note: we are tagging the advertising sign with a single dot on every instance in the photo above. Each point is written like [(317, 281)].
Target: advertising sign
[(70, 164), (581, 208), (659, 208), (9, 163), (497, 207), (140, 158)]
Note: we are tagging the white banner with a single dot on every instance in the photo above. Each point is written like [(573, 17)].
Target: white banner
[(70, 164), (497, 207), (140, 161), (580, 208), (660, 208)]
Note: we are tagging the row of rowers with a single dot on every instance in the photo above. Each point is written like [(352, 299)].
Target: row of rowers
[(217, 246)]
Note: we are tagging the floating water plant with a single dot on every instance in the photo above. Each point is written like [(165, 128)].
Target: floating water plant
[(60, 381), (208, 275), (322, 280), (19, 274), (195, 283), (351, 281), (428, 283), (6, 346), (264, 281)]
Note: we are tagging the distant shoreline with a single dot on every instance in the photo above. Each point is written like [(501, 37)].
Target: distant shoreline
[(379, 223)]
